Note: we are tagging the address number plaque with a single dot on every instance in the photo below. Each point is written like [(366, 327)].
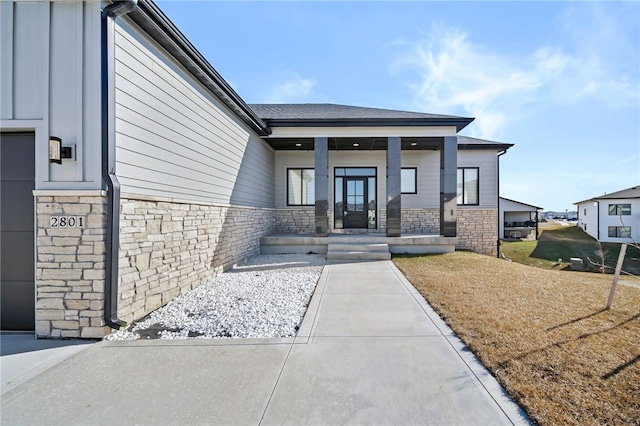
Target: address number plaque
[(67, 221)]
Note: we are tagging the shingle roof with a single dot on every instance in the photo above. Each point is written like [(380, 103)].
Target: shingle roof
[(333, 111), (633, 192), (346, 115)]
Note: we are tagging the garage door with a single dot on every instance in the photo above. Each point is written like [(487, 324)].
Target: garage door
[(17, 181)]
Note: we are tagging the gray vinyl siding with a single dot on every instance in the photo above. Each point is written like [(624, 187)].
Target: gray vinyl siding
[(427, 162), (175, 139), (487, 161), (428, 165)]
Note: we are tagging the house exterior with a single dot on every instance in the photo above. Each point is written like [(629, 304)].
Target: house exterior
[(132, 172), (612, 218), (517, 219)]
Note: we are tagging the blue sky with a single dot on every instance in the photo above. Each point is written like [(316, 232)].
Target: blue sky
[(560, 80)]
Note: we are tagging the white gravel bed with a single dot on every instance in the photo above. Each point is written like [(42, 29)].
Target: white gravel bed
[(263, 297)]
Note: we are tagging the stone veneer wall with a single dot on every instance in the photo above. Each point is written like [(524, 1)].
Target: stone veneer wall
[(421, 221), (478, 230), (169, 248), (296, 221), (70, 268)]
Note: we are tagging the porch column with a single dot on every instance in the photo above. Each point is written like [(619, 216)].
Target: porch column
[(394, 191), (321, 151), (448, 186)]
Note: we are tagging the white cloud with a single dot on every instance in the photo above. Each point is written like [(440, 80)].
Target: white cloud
[(452, 74), (290, 88)]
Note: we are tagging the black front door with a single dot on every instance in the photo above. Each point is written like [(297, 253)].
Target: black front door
[(355, 202)]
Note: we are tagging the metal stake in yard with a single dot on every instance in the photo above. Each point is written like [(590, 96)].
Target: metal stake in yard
[(616, 275)]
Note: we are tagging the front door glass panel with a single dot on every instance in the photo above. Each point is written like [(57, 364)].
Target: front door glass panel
[(355, 198)]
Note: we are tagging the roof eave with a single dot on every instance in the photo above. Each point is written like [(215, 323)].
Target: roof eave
[(459, 123), (154, 22), (497, 146)]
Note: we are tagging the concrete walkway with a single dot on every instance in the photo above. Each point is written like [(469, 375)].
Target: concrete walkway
[(369, 351)]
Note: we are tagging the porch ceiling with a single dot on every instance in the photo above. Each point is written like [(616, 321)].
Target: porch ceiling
[(354, 144)]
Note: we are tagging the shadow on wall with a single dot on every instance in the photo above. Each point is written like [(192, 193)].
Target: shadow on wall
[(251, 214)]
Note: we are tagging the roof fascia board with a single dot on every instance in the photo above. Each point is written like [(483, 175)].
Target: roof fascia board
[(494, 146), (459, 123), (362, 131), (156, 24)]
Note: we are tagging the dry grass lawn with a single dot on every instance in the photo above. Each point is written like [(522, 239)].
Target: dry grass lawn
[(544, 334)]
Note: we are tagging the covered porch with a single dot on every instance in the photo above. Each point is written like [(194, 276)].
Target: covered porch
[(356, 185)]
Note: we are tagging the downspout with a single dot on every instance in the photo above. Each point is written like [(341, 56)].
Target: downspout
[(504, 151), (109, 178), (598, 217)]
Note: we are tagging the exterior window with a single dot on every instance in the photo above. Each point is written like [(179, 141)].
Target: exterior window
[(620, 231), (585, 211), (468, 186), (619, 209), (301, 189), (409, 180)]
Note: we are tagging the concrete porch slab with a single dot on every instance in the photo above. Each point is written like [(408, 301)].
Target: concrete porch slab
[(280, 243)]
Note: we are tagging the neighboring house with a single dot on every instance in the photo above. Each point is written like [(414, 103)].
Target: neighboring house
[(132, 172), (518, 220), (612, 218)]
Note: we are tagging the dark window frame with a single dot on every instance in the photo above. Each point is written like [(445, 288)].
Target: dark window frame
[(415, 180), (336, 177), (301, 170), (619, 209), (477, 169), (617, 231)]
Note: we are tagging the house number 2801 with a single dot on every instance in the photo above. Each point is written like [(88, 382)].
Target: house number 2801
[(66, 221)]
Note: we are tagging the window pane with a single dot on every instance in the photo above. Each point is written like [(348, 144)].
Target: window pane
[(372, 203), (294, 188), (471, 186), (338, 202), (408, 181), (360, 172), (620, 231), (459, 186), (613, 209), (308, 186), (301, 188), (626, 209)]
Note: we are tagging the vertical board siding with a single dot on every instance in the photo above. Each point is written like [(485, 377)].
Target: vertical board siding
[(174, 139), (487, 161), (29, 49), (6, 60)]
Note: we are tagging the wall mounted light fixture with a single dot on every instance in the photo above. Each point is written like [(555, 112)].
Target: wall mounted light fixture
[(57, 152)]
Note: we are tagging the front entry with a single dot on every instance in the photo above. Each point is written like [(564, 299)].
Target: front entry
[(355, 202), (355, 198)]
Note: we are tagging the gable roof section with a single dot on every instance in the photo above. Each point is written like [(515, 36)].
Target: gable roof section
[(633, 192), (521, 203), (154, 22), (334, 115)]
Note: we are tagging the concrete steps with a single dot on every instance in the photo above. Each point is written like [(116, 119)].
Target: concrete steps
[(358, 251)]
